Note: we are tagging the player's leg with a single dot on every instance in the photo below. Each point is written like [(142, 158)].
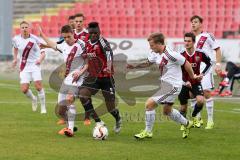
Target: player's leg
[(150, 113), (209, 107), (108, 91), (183, 99), (61, 108), (207, 84), (85, 93), (71, 114), (25, 79)]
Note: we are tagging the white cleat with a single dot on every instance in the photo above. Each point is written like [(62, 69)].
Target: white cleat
[(34, 104), (118, 125), (43, 110)]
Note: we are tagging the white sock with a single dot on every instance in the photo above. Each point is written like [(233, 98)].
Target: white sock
[(71, 113), (149, 120), (177, 117), (41, 96), (193, 103), (209, 107), (30, 95)]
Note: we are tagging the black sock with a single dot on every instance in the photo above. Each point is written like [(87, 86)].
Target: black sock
[(90, 112), (196, 110), (115, 114), (183, 113)]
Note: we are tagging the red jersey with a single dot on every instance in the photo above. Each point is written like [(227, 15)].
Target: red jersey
[(99, 59), (195, 60), (83, 35)]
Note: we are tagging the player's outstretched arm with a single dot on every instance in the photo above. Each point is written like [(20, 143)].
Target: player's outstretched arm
[(49, 42), (141, 65), (15, 53)]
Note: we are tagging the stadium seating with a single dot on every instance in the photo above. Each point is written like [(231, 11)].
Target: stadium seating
[(136, 18)]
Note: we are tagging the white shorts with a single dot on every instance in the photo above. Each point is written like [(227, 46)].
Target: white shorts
[(167, 93), (208, 81), (27, 77)]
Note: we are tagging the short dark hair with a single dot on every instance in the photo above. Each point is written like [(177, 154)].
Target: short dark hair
[(71, 17), (157, 38), (190, 34), (66, 29), (79, 15), (93, 25), (197, 17)]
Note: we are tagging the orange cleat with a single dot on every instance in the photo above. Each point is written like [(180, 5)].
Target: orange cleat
[(61, 122), (68, 132), (61, 132), (87, 122)]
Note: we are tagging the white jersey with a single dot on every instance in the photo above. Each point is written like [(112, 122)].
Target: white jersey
[(29, 52), (72, 56), (170, 63), (205, 42)]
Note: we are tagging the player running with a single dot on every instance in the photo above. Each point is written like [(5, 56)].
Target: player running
[(100, 61), (76, 69), (193, 87), (169, 63), (27, 46), (206, 43)]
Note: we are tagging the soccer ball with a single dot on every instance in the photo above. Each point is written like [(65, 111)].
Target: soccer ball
[(100, 132)]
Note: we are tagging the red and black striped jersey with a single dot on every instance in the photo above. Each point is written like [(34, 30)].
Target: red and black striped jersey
[(83, 35), (195, 60), (99, 59)]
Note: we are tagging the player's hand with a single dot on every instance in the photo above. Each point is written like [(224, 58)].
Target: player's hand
[(188, 84), (198, 77), (14, 63), (38, 62), (76, 75), (129, 66)]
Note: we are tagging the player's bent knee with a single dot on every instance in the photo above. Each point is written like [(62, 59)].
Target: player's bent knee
[(24, 88), (150, 104), (200, 99), (38, 85), (207, 94), (70, 99), (167, 109)]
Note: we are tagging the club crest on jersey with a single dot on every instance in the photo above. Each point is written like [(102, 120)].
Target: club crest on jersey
[(197, 58)]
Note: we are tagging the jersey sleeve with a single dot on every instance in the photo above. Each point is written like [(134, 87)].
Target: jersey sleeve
[(208, 63), (60, 47), (152, 57), (14, 42), (212, 41), (180, 59)]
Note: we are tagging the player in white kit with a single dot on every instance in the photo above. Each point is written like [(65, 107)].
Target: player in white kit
[(169, 63), (205, 42), (27, 46), (76, 69)]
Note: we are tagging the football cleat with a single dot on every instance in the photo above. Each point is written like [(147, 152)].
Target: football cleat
[(182, 128), (34, 104), (186, 131), (209, 125), (118, 125), (87, 122), (61, 132), (196, 122), (143, 134)]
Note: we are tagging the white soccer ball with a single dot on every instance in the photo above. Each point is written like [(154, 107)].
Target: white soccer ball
[(100, 132)]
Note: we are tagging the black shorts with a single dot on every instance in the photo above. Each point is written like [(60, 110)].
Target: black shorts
[(106, 84), (184, 95)]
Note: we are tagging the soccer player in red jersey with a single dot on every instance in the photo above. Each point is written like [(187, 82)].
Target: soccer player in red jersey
[(100, 68), (193, 86)]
